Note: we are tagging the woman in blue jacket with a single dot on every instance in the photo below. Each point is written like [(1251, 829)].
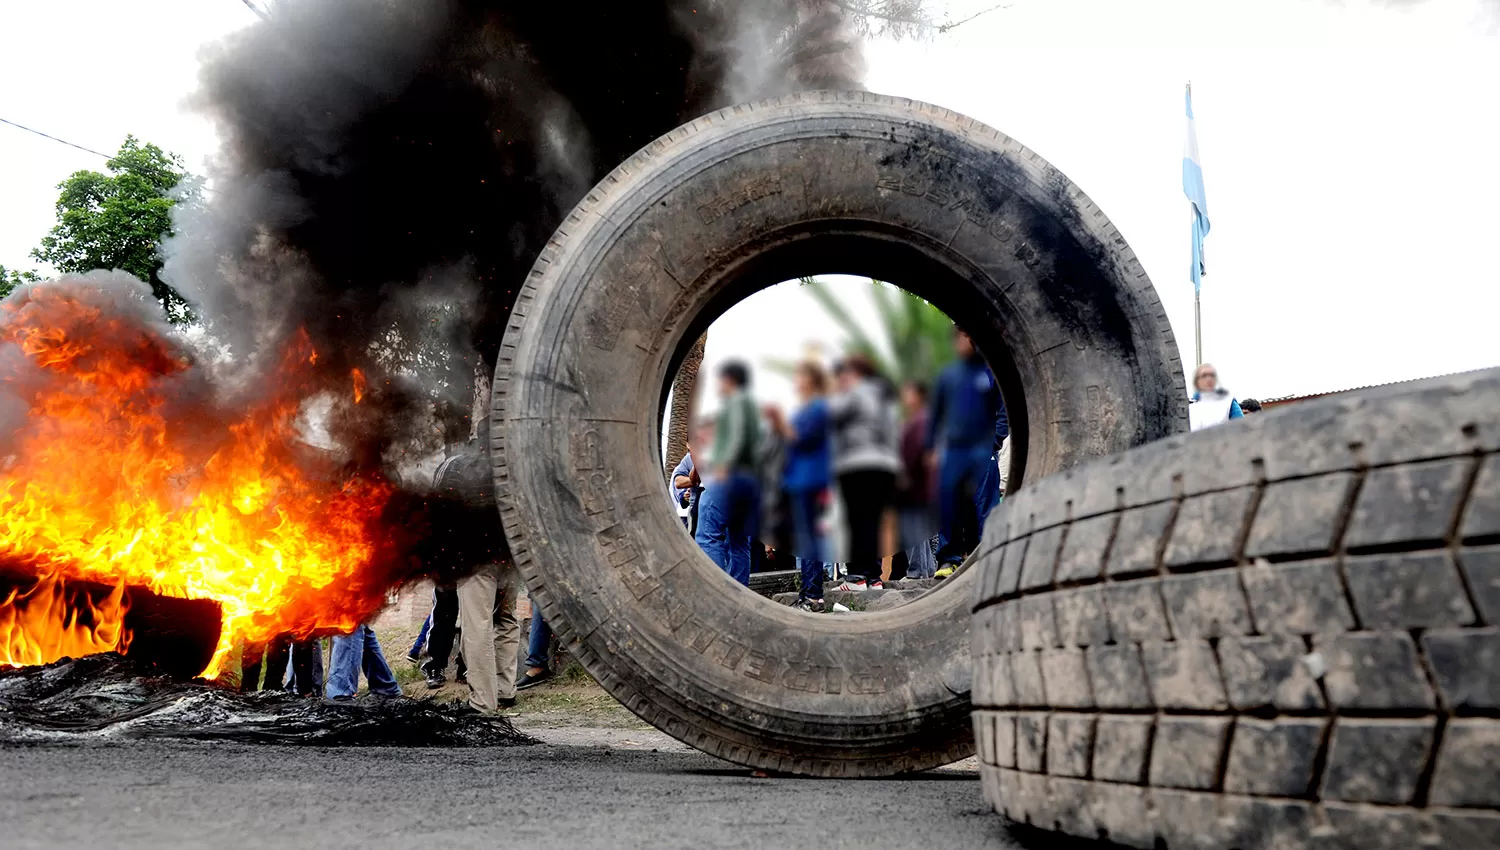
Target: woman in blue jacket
[(1211, 404), (806, 479)]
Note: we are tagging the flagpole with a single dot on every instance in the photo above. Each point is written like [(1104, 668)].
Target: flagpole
[(1197, 329), (1198, 302)]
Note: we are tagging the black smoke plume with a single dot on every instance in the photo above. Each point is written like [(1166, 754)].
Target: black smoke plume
[(391, 168)]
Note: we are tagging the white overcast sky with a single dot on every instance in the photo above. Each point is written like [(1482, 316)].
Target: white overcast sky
[(1351, 153)]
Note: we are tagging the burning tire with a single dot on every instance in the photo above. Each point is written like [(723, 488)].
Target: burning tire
[(43, 619), (1275, 634), (735, 201)]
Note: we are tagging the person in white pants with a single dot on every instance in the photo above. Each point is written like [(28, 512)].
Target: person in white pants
[(491, 635)]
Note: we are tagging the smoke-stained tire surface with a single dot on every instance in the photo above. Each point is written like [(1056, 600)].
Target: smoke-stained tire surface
[(738, 200), (1278, 633)]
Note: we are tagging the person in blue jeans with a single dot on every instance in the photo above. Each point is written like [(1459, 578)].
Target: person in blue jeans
[(806, 478), (729, 508), (727, 514), (356, 651), (965, 428), (538, 664)]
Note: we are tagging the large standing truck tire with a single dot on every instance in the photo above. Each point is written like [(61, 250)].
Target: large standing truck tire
[(738, 200), (1276, 634)]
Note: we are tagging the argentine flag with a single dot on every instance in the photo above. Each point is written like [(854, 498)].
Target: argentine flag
[(1192, 186)]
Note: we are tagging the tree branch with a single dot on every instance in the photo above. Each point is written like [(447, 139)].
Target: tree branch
[(261, 13), (919, 21), (867, 12), (979, 14)]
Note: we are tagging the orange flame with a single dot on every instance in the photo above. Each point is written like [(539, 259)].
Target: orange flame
[(116, 476), (359, 385), (46, 622)]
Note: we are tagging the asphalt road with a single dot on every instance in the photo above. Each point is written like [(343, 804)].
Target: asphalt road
[(620, 795)]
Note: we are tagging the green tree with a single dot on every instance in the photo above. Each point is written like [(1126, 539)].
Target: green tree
[(118, 220), (12, 278), (918, 336)]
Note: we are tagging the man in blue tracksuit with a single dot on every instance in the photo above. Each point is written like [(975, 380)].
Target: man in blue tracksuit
[(988, 493), (966, 426)]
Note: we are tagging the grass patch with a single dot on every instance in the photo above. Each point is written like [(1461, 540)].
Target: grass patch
[(570, 699)]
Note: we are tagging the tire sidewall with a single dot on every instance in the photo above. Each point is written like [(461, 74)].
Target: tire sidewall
[(1038, 276)]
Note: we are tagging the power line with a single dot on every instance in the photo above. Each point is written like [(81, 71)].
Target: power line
[(54, 138), (204, 189)]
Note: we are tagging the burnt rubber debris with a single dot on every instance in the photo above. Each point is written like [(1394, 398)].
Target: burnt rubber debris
[(107, 697)]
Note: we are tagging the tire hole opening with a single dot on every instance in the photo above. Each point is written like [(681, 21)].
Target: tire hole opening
[(871, 436)]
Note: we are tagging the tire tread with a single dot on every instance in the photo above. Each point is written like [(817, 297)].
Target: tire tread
[(1380, 685)]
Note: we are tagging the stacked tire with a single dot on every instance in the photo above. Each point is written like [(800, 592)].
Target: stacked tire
[(1278, 633)]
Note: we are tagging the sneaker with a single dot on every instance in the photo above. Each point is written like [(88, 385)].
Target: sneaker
[(507, 702), (530, 681), (875, 584), (415, 658), (851, 584), (944, 571), (814, 606), (435, 678)]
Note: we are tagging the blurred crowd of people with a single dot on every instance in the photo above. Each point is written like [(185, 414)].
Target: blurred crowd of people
[(912, 472), (477, 617), (472, 628), (908, 474)]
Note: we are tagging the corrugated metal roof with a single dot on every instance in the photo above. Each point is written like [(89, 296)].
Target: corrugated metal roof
[(1287, 399)]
